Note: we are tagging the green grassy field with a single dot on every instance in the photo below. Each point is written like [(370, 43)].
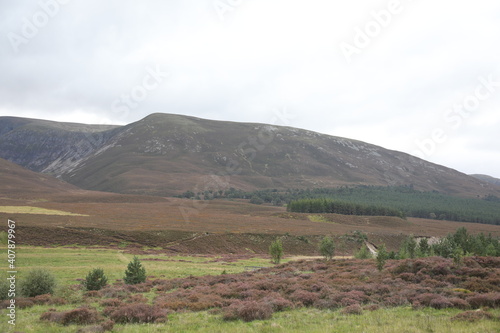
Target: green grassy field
[(395, 320), (70, 264)]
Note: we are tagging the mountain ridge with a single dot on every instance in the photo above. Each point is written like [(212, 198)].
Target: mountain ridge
[(486, 178), (166, 154)]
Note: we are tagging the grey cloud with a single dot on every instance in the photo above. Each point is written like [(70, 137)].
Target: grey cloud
[(263, 55)]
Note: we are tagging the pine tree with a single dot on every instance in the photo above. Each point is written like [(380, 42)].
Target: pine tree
[(95, 280), (423, 247), (135, 272), (382, 256), (363, 253)]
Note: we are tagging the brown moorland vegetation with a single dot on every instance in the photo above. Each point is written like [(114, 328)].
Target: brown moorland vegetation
[(219, 226), (352, 285)]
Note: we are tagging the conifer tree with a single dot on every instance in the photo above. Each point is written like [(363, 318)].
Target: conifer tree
[(135, 272)]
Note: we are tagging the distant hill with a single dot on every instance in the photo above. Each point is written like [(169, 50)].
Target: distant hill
[(18, 182), (165, 154), (48, 146), (488, 179)]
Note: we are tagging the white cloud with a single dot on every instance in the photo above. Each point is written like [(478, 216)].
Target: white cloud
[(265, 54)]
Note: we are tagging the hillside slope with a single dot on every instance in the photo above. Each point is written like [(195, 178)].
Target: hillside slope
[(17, 182), (47, 146), (166, 154), (488, 179)]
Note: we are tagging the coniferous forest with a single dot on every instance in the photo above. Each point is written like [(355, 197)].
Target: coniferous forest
[(372, 200), (399, 201)]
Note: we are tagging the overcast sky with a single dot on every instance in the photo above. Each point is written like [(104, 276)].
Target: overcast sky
[(417, 76)]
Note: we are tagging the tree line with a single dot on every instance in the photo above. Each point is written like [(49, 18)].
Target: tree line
[(455, 245), (341, 207), (411, 202)]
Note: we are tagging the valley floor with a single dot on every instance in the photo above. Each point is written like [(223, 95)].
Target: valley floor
[(212, 227), (200, 293)]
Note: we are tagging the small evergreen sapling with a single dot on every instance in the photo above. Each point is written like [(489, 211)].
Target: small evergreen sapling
[(363, 253), (95, 280), (382, 256), (135, 272)]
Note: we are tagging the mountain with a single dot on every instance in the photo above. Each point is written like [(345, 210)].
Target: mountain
[(166, 154), (487, 179), (47, 146), (18, 182)]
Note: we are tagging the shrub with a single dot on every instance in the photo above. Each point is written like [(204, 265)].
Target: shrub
[(327, 303), (348, 302), (278, 303), (426, 298), (441, 302), (137, 298), (489, 300), (108, 325), (307, 298), (111, 302), (319, 267), (408, 248), (353, 309), (357, 295), (95, 280), (138, 313), (408, 277), (81, 316), (327, 248), (423, 247), (396, 300), (457, 256), (48, 299), (144, 287), (248, 311), (459, 303), (37, 282), (114, 292), (372, 307), (55, 317), (403, 266), (256, 200), (382, 256), (476, 285), (487, 262), (135, 272), (107, 311), (42, 299), (363, 253), (440, 269), (23, 303), (473, 316), (276, 251)]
